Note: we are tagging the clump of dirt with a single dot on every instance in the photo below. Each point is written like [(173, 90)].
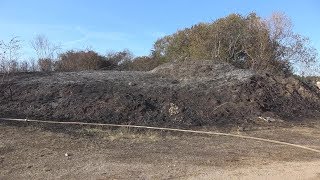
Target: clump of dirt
[(199, 93)]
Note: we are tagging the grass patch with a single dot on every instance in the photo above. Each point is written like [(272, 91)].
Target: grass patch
[(125, 134)]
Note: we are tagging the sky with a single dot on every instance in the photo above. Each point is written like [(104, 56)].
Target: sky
[(114, 25)]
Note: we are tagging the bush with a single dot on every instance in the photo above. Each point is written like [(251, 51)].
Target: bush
[(120, 57), (46, 64), (82, 60), (143, 63)]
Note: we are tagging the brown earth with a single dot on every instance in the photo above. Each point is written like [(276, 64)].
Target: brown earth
[(187, 94), (198, 95), (39, 151)]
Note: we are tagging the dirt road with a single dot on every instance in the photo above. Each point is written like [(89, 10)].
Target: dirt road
[(57, 152)]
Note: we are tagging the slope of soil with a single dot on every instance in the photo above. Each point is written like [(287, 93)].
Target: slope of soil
[(199, 93)]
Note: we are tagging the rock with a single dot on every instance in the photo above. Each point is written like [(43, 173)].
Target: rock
[(132, 84), (173, 110), (47, 169)]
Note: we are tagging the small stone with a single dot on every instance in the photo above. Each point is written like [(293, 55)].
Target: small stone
[(47, 169), (173, 110), (175, 82), (318, 84), (132, 84), (66, 154)]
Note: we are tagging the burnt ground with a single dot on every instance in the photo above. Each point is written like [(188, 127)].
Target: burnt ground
[(187, 94), (37, 151)]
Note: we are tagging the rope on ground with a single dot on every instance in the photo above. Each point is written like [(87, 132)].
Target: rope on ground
[(168, 129)]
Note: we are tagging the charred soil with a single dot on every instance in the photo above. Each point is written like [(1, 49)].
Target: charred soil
[(199, 93)]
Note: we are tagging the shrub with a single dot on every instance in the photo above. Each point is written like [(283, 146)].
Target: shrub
[(142, 63), (81, 60)]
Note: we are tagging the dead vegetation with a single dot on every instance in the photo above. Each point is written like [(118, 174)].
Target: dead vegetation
[(121, 134), (181, 94)]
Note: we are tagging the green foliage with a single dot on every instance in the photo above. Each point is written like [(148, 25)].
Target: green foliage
[(244, 41)]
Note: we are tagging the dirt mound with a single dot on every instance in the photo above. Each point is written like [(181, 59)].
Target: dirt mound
[(179, 95), (199, 70)]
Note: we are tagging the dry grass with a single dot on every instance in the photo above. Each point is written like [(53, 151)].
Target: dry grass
[(125, 134)]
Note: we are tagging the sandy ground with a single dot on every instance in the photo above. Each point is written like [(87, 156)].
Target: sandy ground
[(39, 152)]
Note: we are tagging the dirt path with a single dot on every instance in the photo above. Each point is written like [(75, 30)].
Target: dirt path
[(28, 152), (274, 171)]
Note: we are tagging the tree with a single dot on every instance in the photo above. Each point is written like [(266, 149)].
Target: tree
[(9, 55), (24, 66), (33, 65), (293, 47), (245, 41), (46, 52)]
